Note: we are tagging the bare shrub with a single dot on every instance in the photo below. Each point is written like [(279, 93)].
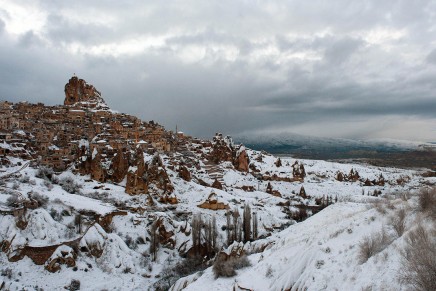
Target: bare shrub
[(419, 259), (44, 173), (24, 179), (15, 185), (130, 242), (55, 215), (427, 201), (171, 274), (12, 200), (403, 195), (227, 268), (269, 272), (42, 200), (398, 221), (70, 186), (380, 206), (373, 244), (48, 185), (75, 285), (6, 273)]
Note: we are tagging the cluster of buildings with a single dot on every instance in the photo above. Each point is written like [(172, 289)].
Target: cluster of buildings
[(57, 135)]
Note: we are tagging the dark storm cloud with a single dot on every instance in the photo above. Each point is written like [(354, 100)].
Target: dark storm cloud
[(232, 66)]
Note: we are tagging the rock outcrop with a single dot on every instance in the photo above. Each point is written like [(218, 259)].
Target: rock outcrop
[(241, 160), (212, 203), (63, 255), (298, 171), (222, 149), (184, 173), (119, 166), (217, 185), (78, 91), (136, 176), (148, 177)]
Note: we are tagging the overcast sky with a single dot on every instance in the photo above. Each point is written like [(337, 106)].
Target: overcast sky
[(351, 69)]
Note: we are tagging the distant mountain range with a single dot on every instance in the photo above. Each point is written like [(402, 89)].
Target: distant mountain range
[(303, 146)]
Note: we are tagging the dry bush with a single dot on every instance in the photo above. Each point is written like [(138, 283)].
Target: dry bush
[(419, 259), (42, 199), (75, 285), (382, 205), (427, 201), (70, 185), (44, 173), (171, 274), (227, 268), (373, 244), (12, 200), (398, 221)]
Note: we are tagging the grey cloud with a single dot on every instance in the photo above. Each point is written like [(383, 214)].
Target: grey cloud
[(60, 29), (431, 57), (339, 51), (2, 26), (29, 39), (261, 88)]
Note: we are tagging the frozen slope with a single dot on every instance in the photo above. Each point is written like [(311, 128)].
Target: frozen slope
[(321, 253)]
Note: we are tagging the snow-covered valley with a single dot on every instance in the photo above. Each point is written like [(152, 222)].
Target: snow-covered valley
[(100, 236)]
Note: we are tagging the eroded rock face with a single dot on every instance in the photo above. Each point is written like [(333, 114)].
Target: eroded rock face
[(98, 173), (64, 255), (217, 185), (136, 176), (241, 160), (77, 90), (222, 150), (149, 177), (212, 203), (166, 232), (298, 171), (94, 241), (119, 166), (157, 177), (184, 173)]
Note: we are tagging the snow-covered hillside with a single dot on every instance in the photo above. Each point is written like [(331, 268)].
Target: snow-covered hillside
[(325, 252), (74, 229)]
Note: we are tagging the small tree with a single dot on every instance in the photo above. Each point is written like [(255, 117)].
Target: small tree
[(196, 225), (247, 223), (78, 222), (211, 236), (154, 240), (255, 229), (228, 227)]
